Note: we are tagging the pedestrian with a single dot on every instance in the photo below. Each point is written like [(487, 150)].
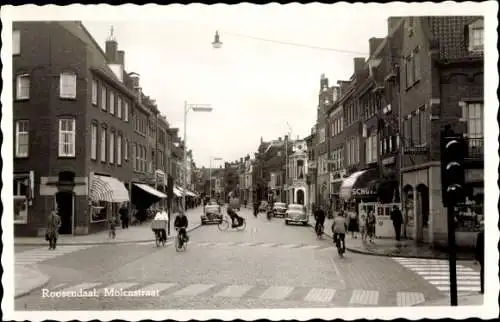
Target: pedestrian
[(480, 254), (370, 225), (353, 224), (362, 224), (53, 225), (124, 215), (397, 220), (112, 226)]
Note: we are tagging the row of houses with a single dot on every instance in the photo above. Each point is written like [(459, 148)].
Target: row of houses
[(376, 140), (86, 136)]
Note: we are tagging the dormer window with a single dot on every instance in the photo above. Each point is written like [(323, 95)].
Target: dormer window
[(476, 35)]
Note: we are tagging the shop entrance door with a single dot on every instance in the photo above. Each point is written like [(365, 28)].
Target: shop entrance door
[(65, 207)]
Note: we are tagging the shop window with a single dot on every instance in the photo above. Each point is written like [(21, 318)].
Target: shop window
[(98, 211), (21, 193)]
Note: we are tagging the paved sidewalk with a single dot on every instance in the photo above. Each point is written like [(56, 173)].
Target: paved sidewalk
[(134, 234), (28, 279), (472, 299), (391, 247)]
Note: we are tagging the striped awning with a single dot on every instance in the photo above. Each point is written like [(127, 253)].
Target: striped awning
[(108, 189), (151, 190), (177, 192)]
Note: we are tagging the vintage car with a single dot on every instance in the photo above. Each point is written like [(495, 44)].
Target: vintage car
[(296, 214), (263, 206), (279, 209), (211, 213)]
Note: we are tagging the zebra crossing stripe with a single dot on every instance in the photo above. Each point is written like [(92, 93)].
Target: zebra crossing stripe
[(364, 297), (82, 286), (410, 298), (194, 289), (460, 288), (276, 292), (320, 295), (234, 291)]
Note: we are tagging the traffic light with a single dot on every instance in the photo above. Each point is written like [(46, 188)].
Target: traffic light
[(453, 151)]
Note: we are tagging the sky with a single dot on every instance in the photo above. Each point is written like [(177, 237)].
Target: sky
[(256, 88)]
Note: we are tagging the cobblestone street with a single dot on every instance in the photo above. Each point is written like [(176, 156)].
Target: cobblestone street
[(269, 265)]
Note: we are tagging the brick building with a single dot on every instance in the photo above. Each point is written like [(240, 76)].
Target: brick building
[(442, 84), (75, 106)]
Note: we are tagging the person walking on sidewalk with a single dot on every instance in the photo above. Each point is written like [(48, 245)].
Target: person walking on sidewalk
[(53, 225), (362, 224), (397, 220), (480, 254), (353, 224), (124, 215), (370, 225), (112, 227)]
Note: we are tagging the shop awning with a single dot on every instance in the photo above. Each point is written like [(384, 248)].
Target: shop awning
[(151, 190), (177, 192), (108, 189), (358, 183)]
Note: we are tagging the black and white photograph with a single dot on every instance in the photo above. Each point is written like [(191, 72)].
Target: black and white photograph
[(277, 161)]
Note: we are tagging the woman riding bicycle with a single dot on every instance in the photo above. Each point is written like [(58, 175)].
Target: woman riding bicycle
[(234, 217)]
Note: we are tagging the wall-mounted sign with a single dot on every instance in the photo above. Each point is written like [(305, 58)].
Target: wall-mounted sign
[(362, 191)]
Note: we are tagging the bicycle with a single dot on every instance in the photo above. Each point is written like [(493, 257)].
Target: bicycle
[(181, 243), (319, 231), (340, 249), (159, 239), (225, 223)]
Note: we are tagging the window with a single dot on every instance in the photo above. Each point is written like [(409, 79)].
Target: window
[(423, 119), (322, 137), (93, 141), (94, 92), (416, 64), (111, 103), (134, 156), (21, 193), (371, 148), (125, 111), (473, 115), (66, 137), (103, 97), (22, 139), (67, 85), (103, 144), (125, 150), (23, 87), (111, 147), (119, 107), (477, 38), (410, 77), (16, 42)]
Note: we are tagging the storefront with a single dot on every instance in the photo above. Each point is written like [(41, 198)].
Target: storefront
[(106, 195)]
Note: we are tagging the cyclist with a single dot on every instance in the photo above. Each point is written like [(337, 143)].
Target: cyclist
[(180, 224), (319, 216), (339, 228), (234, 216)]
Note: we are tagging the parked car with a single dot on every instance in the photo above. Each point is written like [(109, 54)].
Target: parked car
[(296, 214), (212, 213), (263, 206), (279, 209)]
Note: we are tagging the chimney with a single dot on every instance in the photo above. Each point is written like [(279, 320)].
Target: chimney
[(111, 47), (279, 139), (392, 22), (135, 79), (374, 43), (121, 57), (323, 83), (359, 64), (286, 137)]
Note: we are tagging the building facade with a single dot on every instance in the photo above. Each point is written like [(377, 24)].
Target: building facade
[(75, 104)]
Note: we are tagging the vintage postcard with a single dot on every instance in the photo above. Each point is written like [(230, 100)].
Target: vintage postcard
[(250, 161)]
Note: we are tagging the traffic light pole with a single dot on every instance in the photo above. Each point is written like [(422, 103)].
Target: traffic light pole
[(452, 254)]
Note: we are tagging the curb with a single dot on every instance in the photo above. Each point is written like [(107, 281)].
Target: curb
[(41, 285), (100, 243), (365, 252)]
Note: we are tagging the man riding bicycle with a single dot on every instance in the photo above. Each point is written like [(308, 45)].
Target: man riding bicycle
[(319, 216), (180, 224), (234, 217), (339, 228)]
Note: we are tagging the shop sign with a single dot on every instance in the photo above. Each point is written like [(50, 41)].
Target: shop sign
[(389, 160), (362, 191)]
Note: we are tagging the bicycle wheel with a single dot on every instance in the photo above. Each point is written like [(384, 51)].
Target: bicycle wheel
[(157, 241), (243, 225), (178, 244), (223, 225)]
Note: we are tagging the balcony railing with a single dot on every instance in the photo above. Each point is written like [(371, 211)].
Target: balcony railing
[(475, 148)]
